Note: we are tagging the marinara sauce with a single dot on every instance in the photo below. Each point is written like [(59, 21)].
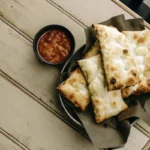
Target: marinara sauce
[(54, 46)]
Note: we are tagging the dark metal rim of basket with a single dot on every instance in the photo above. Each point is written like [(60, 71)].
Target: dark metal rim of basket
[(69, 66)]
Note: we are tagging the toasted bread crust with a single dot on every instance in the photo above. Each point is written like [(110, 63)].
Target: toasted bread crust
[(140, 41), (119, 66), (74, 89)]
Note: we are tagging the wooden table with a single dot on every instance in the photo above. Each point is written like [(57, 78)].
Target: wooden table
[(30, 117)]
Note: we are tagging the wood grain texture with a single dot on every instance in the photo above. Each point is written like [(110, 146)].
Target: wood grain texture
[(136, 141), (147, 146), (33, 125), (18, 61), (7, 144), (143, 127), (90, 11), (30, 16), (12, 139)]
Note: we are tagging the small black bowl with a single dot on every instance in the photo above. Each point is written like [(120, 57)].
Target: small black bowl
[(41, 32)]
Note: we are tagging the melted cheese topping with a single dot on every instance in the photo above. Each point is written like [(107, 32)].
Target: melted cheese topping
[(106, 104), (140, 42), (117, 54), (75, 90)]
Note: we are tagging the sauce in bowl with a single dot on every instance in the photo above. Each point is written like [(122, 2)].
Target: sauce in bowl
[(54, 46)]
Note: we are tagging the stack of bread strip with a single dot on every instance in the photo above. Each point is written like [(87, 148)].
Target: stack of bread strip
[(74, 89), (117, 66)]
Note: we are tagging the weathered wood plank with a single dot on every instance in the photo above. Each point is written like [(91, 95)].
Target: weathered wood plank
[(33, 125), (29, 16), (147, 146), (143, 127), (18, 61), (7, 144), (136, 141), (90, 11)]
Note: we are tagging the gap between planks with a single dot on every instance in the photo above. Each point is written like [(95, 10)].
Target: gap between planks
[(66, 13), (16, 29), (22, 88), (147, 146), (142, 129), (51, 110), (7, 135)]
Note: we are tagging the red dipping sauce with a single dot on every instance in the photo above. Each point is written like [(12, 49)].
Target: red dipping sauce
[(54, 46)]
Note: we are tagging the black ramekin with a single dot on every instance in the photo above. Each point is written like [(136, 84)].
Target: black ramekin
[(43, 31)]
